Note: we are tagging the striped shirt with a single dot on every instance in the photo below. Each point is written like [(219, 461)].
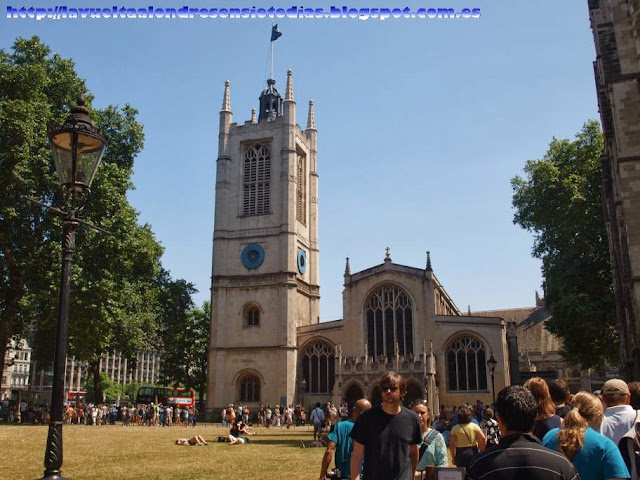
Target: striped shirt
[(521, 457)]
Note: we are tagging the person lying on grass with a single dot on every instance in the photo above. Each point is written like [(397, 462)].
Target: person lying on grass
[(195, 440)]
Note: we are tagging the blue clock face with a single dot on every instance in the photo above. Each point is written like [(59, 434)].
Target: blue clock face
[(302, 261), (252, 255)]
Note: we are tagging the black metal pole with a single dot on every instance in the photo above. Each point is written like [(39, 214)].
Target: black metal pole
[(53, 453), (493, 389)]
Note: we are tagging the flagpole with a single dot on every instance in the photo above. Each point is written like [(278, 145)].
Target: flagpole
[(271, 52)]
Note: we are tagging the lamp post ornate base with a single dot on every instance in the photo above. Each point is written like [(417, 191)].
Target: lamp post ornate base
[(53, 455)]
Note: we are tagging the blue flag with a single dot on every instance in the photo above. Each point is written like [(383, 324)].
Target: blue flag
[(275, 33)]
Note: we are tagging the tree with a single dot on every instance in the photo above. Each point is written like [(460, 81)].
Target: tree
[(113, 294), (560, 201), (174, 306), (199, 330), (111, 390), (184, 336), (35, 91)]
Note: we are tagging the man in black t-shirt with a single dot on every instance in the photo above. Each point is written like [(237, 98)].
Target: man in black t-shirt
[(387, 436)]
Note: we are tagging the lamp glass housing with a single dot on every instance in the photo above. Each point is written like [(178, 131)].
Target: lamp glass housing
[(76, 169)]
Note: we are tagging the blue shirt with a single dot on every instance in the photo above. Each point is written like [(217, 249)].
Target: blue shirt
[(344, 445), (598, 459), (436, 452)]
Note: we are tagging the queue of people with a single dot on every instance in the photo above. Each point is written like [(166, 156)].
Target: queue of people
[(535, 431)]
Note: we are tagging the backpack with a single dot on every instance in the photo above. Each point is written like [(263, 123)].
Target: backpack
[(426, 441)]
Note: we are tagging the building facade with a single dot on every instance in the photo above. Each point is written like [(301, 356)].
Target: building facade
[(267, 345), (616, 32), (23, 377), (17, 369)]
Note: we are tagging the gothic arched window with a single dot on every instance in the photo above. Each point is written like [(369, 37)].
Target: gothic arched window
[(256, 179), (388, 316), (318, 367), (466, 364), (249, 388)]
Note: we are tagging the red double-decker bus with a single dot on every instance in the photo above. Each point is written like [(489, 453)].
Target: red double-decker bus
[(185, 397)]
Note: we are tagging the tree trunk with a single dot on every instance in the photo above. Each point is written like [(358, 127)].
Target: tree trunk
[(97, 380)]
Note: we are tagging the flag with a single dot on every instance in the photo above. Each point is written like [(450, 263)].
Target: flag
[(275, 33)]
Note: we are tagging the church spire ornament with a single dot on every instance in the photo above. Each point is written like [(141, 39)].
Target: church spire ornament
[(311, 121), (289, 90), (226, 99), (347, 268), (429, 269), (387, 257)]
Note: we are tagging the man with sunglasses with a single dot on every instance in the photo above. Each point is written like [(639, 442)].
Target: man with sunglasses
[(387, 436)]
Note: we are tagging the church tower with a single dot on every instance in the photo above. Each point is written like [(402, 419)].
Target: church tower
[(265, 280)]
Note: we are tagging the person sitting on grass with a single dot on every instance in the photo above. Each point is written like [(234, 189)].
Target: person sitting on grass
[(195, 440), (246, 429)]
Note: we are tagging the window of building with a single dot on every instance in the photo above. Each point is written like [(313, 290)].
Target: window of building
[(301, 190), (466, 364), (250, 388), (389, 322), (252, 316), (256, 180), (318, 367)]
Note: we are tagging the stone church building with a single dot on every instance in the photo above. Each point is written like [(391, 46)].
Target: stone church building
[(267, 344)]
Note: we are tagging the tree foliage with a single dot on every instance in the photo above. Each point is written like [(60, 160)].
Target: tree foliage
[(560, 201), (113, 290), (35, 91), (184, 335)]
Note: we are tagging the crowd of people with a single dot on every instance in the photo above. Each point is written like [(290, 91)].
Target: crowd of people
[(536, 431), (149, 415), (105, 414)]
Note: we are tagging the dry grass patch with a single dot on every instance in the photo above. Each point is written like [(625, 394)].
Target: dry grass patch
[(149, 453)]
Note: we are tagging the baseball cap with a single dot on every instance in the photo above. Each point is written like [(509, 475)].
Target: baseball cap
[(615, 386)]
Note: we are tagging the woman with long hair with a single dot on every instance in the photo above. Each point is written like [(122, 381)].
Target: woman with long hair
[(466, 438), (595, 456), (546, 419), (433, 450)]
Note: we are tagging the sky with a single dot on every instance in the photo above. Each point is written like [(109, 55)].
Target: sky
[(421, 123)]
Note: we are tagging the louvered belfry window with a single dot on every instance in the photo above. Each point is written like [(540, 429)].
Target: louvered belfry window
[(301, 190), (256, 179)]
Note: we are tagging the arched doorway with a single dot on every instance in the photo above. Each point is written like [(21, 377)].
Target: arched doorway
[(352, 395), (414, 392)]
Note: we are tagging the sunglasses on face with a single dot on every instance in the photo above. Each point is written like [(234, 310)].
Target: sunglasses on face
[(390, 389)]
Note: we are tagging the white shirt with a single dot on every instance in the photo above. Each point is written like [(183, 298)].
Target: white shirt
[(617, 421)]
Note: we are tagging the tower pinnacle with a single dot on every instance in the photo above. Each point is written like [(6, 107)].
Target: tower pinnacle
[(289, 90), (347, 268), (226, 99), (311, 121)]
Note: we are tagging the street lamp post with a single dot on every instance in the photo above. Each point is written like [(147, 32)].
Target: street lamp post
[(77, 148), (491, 363)]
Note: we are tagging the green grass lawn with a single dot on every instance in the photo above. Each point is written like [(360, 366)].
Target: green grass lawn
[(148, 453)]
